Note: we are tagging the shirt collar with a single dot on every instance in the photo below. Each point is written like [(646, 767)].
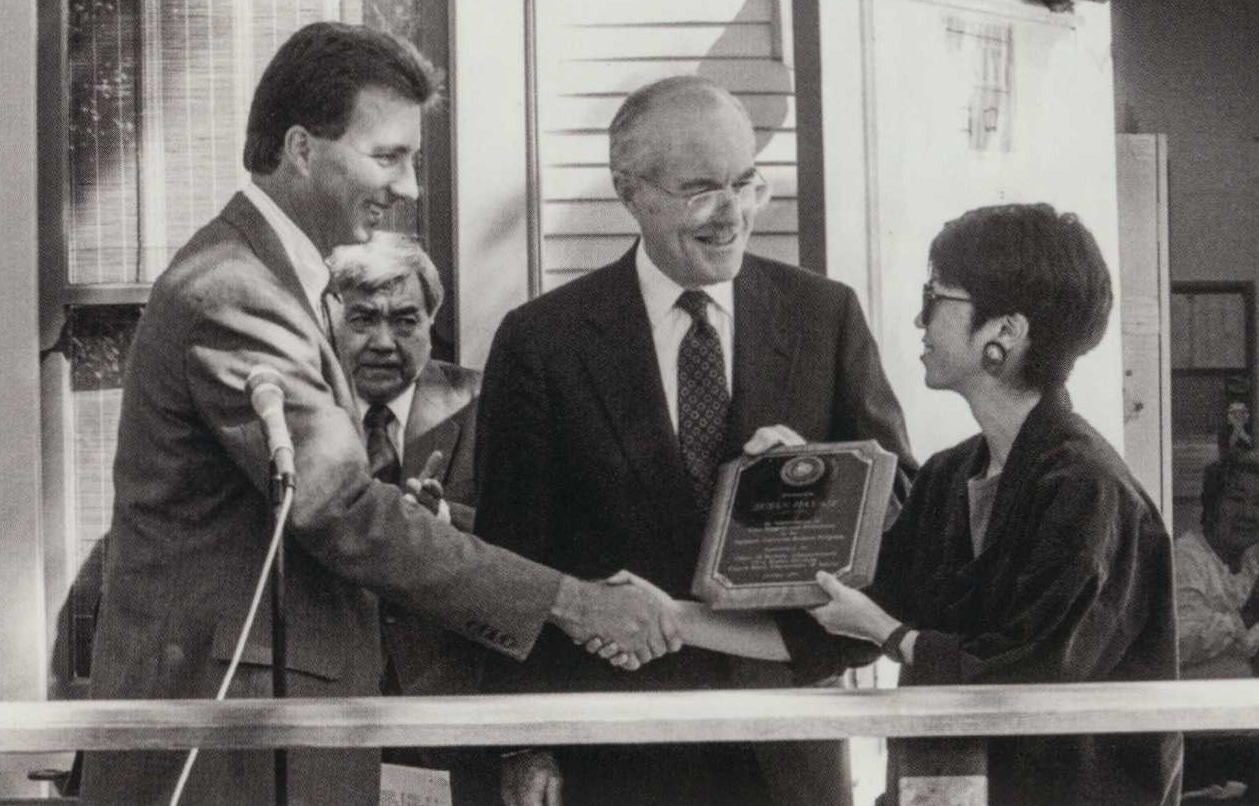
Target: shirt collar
[(309, 265), (400, 405), (661, 292)]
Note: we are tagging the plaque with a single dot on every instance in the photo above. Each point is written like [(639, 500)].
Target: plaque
[(780, 517)]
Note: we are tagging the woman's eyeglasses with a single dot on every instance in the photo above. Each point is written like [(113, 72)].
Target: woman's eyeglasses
[(929, 299)]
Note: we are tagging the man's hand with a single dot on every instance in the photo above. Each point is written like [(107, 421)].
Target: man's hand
[(637, 621), (531, 778), (609, 650), (771, 436), (425, 489)]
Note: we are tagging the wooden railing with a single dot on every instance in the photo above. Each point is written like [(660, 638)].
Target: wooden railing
[(543, 719)]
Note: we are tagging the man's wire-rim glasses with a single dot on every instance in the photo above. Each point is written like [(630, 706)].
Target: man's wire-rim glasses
[(750, 191)]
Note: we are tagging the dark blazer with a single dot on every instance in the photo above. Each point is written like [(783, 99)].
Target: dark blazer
[(579, 463), (190, 529), (424, 657)]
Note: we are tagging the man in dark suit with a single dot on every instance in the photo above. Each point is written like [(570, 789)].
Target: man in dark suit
[(390, 291), (333, 132), (608, 404)]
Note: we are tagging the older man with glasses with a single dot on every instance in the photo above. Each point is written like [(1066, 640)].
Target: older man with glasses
[(607, 406)]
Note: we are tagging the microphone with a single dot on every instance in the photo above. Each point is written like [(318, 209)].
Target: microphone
[(266, 395)]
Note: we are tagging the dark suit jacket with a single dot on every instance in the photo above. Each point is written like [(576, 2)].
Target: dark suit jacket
[(579, 464), (426, 658), (190, 528)]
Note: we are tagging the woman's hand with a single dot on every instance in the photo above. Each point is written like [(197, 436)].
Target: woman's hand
[(850, 612)]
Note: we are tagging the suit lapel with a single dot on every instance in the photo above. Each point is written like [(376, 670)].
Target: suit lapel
[(432, 425), (241, 214), (765, 348), (620, 357)]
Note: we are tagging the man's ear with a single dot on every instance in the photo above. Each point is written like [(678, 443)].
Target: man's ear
[(298, 145)]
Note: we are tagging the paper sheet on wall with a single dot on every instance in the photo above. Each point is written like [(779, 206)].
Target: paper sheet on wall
[(413, 786)]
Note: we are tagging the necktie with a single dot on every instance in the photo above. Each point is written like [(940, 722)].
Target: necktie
[(703, 400), (381, 453)]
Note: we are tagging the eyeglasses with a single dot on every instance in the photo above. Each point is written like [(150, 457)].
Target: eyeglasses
[(751, 191), (929, 299)]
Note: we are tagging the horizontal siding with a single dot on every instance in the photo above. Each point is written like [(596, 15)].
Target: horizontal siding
[(671, 44), (772, 112), (576, 183), (582, 148), (591, 55), (611, 78), (652, 12)]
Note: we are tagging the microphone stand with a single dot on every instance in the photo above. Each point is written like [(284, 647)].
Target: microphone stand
[(280, 483)]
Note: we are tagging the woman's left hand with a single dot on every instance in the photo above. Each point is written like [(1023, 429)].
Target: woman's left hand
[(850, 612)]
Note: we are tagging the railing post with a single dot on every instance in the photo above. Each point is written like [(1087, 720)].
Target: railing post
[(934, 771)]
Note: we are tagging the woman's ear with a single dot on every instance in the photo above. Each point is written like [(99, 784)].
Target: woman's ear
[(1013, 329)]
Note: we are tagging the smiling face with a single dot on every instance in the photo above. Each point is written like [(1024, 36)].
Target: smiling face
[(689, 145), (383, 337), (357, 177)]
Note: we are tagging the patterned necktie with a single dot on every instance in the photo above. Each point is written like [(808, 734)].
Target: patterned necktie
[(380, 450), (703, 400)]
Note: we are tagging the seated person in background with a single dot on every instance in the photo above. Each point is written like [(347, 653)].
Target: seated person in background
[(1217, 610), (419, 418), (1216, 570), (1027, 553), (1234, 434)]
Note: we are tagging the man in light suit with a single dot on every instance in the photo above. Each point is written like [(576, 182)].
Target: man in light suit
[(593, 422), (333, 132)]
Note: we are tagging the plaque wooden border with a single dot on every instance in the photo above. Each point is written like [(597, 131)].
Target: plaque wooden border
[(721, 593)]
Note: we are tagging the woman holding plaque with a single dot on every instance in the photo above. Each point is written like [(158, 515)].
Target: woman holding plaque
[(1027, 553)]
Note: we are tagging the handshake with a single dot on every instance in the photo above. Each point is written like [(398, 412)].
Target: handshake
[(624, 619)]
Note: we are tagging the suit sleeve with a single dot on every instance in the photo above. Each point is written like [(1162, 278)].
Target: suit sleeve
[(1094, 571), (361, 529)]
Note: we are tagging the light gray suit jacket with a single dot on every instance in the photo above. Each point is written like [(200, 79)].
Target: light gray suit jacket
[(190, 528)]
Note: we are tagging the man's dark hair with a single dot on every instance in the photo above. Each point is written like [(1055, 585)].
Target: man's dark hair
[(1216, 478), (1028, 259), (315, 77)]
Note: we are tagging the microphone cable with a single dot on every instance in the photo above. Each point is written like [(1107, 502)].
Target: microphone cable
[(276, 539)]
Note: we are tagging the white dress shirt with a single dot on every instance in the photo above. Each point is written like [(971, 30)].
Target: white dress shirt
[(1209, 598), (669, 323), (401, 408), (311, 270)]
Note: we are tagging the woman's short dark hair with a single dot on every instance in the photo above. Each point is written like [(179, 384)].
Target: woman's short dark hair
[(1029, 259), (315, 77)]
